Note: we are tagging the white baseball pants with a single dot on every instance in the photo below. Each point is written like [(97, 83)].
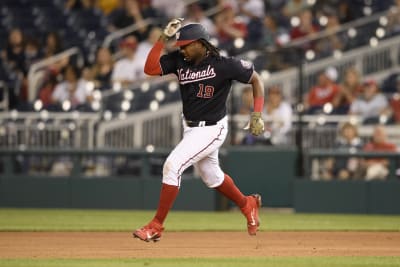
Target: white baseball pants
[(199, 146)]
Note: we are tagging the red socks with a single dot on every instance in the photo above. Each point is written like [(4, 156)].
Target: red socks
[(167, 197), (230, 190), (169, 193)]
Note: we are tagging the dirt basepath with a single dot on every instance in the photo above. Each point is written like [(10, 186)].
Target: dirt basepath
[(197, 244)]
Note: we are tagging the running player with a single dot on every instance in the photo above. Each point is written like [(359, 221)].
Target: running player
[(205, 79)]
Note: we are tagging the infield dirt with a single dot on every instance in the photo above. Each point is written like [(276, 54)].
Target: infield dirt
[(97, 245)]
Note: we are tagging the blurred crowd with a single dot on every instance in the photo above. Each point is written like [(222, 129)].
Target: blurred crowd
[(361, 103), (235, 26), (351, 95)]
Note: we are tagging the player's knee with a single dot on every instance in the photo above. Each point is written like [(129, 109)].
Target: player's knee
[(170, 173), (211, 178)]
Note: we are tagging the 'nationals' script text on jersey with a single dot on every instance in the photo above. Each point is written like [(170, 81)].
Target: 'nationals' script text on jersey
[(194, 76)]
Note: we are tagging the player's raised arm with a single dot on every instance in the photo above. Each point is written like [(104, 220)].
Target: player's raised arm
[(152, 65)]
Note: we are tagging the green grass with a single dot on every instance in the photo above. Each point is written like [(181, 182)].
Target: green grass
[(242, 262), (123, 220)]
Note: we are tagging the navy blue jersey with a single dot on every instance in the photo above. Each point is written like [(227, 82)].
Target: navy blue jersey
[(205, 87)]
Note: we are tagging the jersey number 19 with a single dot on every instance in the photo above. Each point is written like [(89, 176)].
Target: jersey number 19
[(205, 91)]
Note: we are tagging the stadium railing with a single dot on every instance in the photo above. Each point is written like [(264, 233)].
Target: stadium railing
[(47, 129), (319, 131), (36, 74), (160, 129), (127, 30)]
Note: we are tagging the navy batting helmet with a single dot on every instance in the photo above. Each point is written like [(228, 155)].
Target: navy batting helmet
[(190, 33)]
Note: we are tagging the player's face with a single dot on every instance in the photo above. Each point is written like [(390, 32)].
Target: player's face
[(192, 52)]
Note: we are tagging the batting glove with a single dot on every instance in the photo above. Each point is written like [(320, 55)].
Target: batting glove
[(172, 27), (256, 123)]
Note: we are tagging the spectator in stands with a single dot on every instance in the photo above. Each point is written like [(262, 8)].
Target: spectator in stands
[(350, 89), (195, 14), (144, 48), (127, 70), (73, 4), (395, 102), (378, 168), (371, 104), (305, 28), (278, 117), (147, 10), (294, 7), (324, 92), (127, 15), (229, 27), (72, 89), (246, 105), (32, 52), (14, 58), (273, 32), (348, 141), (393, 15), (14, 51), (52, 44), (252, 12), (335, 40), (102, 69), (340, 7), (107, 6), (46, 92), (170, 8), (275, 35)]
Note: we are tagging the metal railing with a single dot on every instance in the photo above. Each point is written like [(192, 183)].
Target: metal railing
[(320, 131), (47, 130), (161, 128), (127, 30), (35, 73)]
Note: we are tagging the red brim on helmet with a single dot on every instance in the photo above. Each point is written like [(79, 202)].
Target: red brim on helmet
[(189, 33), (183, 42)]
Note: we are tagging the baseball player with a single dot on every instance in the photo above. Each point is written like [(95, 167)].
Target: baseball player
[(205, 79)]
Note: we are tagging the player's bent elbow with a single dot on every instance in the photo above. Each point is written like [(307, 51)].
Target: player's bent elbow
[(152, 71)]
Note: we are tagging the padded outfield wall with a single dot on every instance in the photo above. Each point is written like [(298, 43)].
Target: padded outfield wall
[(270, 172)]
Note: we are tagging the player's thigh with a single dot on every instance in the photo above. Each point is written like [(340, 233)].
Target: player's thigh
[(197, 143)]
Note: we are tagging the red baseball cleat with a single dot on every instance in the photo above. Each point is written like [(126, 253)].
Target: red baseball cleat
[(250, 211), (149, 232)]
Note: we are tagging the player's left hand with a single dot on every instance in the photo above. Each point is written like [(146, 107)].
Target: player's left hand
[(256, 123)]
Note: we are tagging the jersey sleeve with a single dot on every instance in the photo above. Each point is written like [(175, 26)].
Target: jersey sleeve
[(239, 70), (168, 63)]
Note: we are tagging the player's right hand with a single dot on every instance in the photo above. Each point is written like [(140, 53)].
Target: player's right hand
[(172, 27)]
